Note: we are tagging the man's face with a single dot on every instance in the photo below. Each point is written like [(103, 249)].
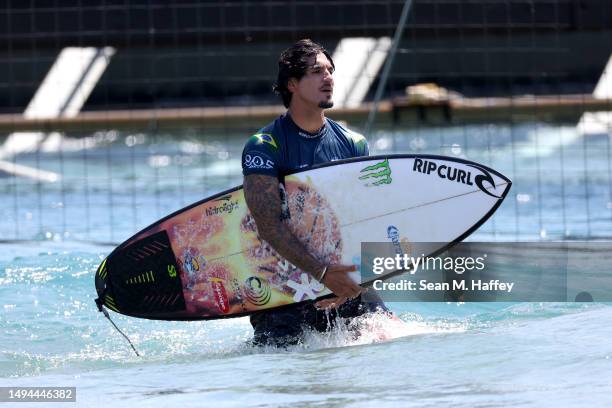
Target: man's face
[(316, 86)]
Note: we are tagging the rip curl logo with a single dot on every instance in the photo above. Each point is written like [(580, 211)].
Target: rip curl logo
[(480, 179), (458, 175), (257, 162), (380, 172)]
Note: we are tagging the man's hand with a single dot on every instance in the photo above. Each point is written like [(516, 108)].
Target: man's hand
[(338, 281)]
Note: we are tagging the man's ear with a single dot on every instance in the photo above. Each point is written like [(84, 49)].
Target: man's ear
[(292, 84)]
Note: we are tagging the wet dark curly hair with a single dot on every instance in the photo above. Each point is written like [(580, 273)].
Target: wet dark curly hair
[(293, 63)]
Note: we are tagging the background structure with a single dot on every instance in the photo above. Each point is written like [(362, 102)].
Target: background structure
[(156, 115)]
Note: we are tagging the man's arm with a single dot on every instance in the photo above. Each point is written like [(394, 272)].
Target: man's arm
[(263, 199)]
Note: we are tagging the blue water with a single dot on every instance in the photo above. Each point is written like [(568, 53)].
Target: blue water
[(438, 354)]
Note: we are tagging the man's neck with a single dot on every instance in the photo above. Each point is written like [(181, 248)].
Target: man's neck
[(309, 120)]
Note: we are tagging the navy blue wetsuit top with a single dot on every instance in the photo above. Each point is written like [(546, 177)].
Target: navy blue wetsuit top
[(282, 147)]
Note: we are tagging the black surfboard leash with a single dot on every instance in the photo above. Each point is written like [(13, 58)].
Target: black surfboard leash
[(101, 308)]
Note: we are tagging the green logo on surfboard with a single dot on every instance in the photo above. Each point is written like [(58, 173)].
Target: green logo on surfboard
[(381, 172)]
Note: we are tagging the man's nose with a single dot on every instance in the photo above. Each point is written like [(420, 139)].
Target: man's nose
[(328, 76)]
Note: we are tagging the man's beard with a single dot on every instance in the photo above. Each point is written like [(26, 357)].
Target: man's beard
[(326, 104)]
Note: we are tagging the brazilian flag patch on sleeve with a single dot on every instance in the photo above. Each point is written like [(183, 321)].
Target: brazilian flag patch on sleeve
[(265, 138)]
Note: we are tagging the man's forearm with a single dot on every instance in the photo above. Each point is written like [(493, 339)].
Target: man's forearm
[(263, 199), (290, 248)]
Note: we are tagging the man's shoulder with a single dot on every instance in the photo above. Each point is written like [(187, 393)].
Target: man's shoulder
[(267, 136), (358, 143), (261, 153), (341, 129)]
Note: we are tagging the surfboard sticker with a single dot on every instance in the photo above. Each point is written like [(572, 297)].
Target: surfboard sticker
[(222, 268)]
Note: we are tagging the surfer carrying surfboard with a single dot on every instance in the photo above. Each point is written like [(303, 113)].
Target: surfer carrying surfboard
[(301, 137)]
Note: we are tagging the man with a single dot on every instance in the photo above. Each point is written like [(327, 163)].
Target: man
[(301, 137)]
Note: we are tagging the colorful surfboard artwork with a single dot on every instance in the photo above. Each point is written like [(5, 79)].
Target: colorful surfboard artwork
[(207, 261)]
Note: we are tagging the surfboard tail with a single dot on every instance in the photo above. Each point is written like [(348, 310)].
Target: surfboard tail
[(141, 279), (101, 281)]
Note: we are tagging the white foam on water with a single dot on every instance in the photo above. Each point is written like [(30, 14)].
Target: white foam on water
[(372, 328)]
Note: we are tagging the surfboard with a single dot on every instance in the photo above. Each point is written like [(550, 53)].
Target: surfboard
[(206, 261)]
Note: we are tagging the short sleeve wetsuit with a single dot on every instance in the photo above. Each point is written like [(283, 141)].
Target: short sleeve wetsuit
[(277, 149), (282, 147)]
